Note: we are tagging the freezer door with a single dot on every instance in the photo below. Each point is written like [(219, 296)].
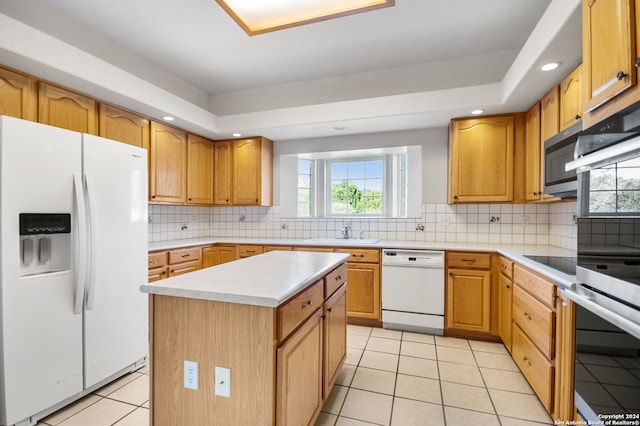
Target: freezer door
[(115, 329), (41, 344)]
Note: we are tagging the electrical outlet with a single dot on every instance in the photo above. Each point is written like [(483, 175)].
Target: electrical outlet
[(443, 220), (223, 382), (191, 375)]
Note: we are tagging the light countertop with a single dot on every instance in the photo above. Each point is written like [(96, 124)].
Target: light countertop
[(515, 252), (265, 280)]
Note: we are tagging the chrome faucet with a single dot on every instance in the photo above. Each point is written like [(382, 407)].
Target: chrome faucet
[(346, 230)]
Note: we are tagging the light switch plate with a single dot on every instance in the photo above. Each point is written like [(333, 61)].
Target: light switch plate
[(223, 382)]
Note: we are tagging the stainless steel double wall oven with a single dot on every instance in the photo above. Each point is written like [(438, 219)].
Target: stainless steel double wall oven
[(607, 368)]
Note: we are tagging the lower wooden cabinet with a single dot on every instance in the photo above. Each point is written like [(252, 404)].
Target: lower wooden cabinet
[(335, 336), (537, 369), (565, 358), (468, 293), (299, 389), (248, 250), (363, 297), (212, 256), (505, 296)]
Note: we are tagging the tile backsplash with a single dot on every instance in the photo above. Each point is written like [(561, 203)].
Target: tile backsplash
[(463, 223)]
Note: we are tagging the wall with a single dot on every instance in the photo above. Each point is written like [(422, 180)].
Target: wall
[(518, 224)]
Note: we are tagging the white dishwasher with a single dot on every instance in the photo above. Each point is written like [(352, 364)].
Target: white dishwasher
[(413, 290)]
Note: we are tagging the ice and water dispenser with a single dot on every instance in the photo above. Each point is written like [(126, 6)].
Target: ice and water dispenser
[(45, 243)]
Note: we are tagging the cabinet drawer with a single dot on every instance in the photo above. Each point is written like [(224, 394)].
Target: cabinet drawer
[(538, 370), (184, 255), (535, 319), (469, 260), (506, 267), (356, 255), (335, 279), (157, 259), (157, 274), (296, 310), (540, 288), (184, 268), (248, 251)]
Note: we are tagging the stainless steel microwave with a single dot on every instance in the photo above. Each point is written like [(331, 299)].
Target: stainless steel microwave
[(558, 151)]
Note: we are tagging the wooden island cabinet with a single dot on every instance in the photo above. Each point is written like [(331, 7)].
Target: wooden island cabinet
[(283, 342)]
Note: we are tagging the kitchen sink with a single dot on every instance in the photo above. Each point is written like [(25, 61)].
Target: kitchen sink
[(340, 241)]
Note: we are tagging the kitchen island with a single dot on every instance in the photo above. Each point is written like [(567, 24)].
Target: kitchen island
[(268, 334)]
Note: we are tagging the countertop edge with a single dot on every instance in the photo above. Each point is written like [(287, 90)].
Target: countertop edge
[(183, 285)]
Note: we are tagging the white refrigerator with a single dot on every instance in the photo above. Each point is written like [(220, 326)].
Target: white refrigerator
[(73, 255)]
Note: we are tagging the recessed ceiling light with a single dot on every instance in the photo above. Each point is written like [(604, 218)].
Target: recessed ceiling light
[(258, 17), (550, 66), (339, 127), (236, 135), (477, 111), (167, 118)]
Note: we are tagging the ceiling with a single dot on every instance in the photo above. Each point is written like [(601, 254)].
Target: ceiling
[(413, 65)]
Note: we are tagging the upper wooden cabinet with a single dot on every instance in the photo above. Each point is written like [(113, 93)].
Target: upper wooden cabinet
[(481, 156), (533, 154), (252, 176), (608, 49), (222, 173), (167, 164), (124, 126), (18, 95), (550, 114), (571, 99), (200, 170), (63, 108)]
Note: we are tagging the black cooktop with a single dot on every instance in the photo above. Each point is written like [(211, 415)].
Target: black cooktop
[(566, 265)]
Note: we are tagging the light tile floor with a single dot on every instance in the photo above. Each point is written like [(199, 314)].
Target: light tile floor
[(390, 378)]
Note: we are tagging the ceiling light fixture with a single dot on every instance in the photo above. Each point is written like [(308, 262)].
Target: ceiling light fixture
[(340, 128), (236, 135), (258, 17), (550, 66), (477, 111), (167, 118)]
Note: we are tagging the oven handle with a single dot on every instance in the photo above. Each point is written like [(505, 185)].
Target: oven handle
[(612, 154), (612, 317)]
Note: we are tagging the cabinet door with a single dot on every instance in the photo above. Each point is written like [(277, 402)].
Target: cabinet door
[(168, 164), (18, 95), (199, 170), (222, 173), (212, 256), (363, 297), (533, 154), (505, 293), (124, 126), (571, 99), (565, 354), (252, 177), (335, 337), (550, 114), (184, 268), (608, 50), (69, 110), (299, 370), (247, 173), (468, 300), (481, 159)]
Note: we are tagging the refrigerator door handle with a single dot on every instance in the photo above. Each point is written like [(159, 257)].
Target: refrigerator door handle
[(78, 284), (93, 255)]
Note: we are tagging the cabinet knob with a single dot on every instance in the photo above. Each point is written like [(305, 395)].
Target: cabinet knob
[(329, 309), (469, 260), (153, 196), (578, 117), (309, 303), (455, 197), (339, 277), (451, 274), (186, 255), (190, 199), (637, 62), (227, 200), (508, 286), (620, 75), (256, 200)]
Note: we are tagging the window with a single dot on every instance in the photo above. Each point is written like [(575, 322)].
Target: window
[(361, 183), (356, 187), (305, 178), (615, 188)]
